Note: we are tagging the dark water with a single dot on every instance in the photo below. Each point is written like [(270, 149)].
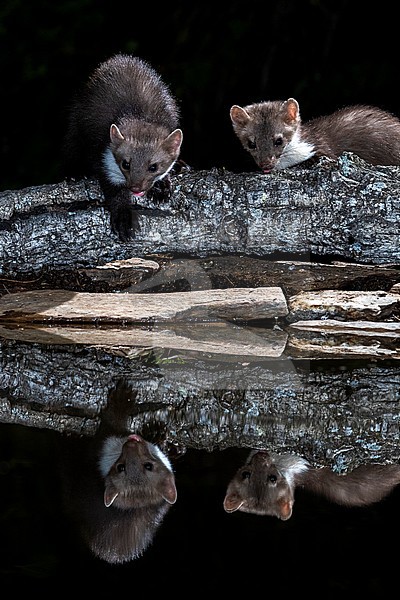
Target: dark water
[(322, 550), (206, 414)]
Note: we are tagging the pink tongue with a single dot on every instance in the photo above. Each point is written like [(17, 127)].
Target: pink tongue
[(138, 194)]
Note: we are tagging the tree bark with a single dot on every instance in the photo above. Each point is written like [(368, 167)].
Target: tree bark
[(225, 230), (337, 417), (343, 208)]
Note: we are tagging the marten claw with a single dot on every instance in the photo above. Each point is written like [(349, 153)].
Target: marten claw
[(161, 190)]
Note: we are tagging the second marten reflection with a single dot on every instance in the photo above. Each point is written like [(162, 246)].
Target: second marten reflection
[(266, 484)]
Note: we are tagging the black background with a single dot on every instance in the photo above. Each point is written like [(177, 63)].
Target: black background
[(326, 54), (322, 551)]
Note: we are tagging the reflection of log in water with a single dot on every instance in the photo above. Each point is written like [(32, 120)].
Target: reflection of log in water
[(333, 413)]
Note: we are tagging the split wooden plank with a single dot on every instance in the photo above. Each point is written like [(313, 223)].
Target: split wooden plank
[(233, 304), (347, 305)]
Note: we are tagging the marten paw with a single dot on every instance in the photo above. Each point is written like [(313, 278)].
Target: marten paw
[(124, 221), (161, 190)]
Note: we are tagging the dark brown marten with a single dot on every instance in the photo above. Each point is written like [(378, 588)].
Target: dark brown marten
[(123, 130)]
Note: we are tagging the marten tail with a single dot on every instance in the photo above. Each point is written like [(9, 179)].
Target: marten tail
[(365, 485)]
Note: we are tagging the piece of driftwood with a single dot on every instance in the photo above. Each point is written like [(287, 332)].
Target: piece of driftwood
[(336, 417), (346, 305), (343, 208), (241, 304)]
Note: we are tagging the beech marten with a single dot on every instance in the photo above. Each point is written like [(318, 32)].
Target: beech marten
[(272, 132), (266, 484), (123, 130)]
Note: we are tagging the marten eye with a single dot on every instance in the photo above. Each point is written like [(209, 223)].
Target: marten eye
[(246, 475), (120, 468), (278, 141), (125, 165), (251, 144), (148, 466), (272, 478), (153, 168)]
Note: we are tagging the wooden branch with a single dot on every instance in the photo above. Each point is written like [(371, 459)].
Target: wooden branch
[(342, 208)]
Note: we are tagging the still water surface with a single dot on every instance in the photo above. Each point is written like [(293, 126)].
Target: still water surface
[(49, 475)]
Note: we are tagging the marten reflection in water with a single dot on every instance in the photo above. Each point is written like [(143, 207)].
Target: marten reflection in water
[(121, 498), (266, 484), (121, 506)]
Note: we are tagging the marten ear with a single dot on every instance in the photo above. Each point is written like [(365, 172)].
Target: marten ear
[(291, 111), (239, 116), (232, 502), (173, 142), (115, 133), (168, 490), (110, 493), (284, 508)]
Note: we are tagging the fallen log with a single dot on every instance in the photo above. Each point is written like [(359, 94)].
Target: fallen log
[(343, 208)]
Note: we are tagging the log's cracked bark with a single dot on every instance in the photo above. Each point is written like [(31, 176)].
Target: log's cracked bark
[(342, 208), (338, 417)]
